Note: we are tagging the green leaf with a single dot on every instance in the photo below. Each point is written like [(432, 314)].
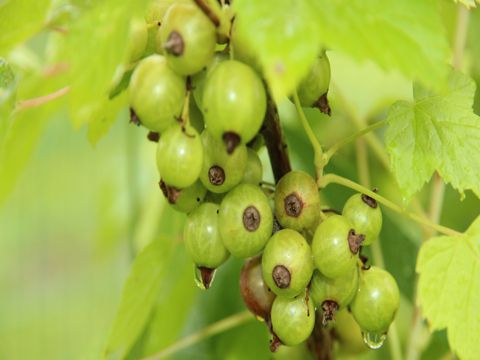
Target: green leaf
[(19, 20), (436, 132), (449, 288), (100, 127), (138, 297), (96, 49), (21, 130), (404, 35), (283, 34)]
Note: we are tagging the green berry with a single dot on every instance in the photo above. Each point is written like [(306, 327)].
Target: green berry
[(138, 40), (297, 202), (254, 170), (234, 103), (180, 156), (365, 215), (202, 238), (156, 93), (332, 247), (376, 301), (184, 200), (245, 220), (332, 295), (199, 80), (221, 171), (292, 319), (287, 263), (316, 83), (255, 293), (188, 38)]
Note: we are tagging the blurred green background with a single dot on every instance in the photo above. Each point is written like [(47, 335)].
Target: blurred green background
[(78, 214)]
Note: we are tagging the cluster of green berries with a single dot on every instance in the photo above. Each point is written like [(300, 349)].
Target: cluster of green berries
[(206, 110)]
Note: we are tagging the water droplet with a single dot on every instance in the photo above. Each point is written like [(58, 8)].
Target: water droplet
[(374, 340), (204, 277)]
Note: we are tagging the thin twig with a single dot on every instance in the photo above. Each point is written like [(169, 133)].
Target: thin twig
[(208, 11), (25, 104), (211, 330), (276, 146)]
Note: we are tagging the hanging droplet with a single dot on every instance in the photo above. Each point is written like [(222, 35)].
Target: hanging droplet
[(204, 277), (374, 340)]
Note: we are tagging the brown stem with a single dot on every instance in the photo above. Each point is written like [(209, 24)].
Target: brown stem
[(320, 342), (208, 11), (277, 148)]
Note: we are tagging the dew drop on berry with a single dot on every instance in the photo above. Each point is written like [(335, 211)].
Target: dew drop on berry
[(374, 340)]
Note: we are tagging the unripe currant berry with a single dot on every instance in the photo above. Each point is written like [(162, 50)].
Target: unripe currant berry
[(316, 83), (245, 220), (180, 156), (188, 38), (234, 103), (365, 215), (137, 39), (184, 200), (202, 239), (376, 301), (287, 263), (155, 86), (254, 170), (335, 247), (255, 293), (221, 171), (297, 202), (292, 319), (199, 79), (332, 295)]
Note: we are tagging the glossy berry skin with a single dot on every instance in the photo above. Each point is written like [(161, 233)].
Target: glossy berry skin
[(199, 79), (297, 202), (255, 293), (366, 220), (287, 263), (316, 83), (138, 40), (180, 156), (254, 170), (245, 220), (184, 200), (156, 93), (376, 301), (234, 101), (221, 171), (341, 290), (292, 319), (188, 38), (330, 247), (202, 238)]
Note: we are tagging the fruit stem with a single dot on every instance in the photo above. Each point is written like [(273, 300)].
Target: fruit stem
[(29, 103), (317, 148), (185, 118), (336, 179), (277, 149), (335, 147), (207, 10), (211, 330)]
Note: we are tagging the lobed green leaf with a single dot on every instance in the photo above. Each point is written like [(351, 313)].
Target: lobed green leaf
[(437, 132), (398, 35), (449, 288), (19, 20), (283, 35)]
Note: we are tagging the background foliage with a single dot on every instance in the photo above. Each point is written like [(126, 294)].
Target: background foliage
[(78, 194)]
